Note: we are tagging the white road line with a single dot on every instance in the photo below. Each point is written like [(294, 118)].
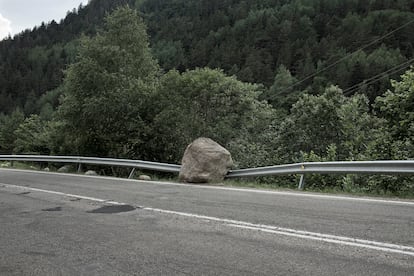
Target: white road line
[(245, 190), (374, 245), (379, 248), (387, 247), (62, 194)]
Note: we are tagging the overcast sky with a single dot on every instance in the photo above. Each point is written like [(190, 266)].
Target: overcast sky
[(18, 15)]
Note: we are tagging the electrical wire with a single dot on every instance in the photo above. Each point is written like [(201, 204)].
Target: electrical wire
[(378, 77), (347, 56)]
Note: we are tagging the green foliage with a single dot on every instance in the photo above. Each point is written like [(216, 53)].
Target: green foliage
[(282, 94), (387, 185), (8, 126), (246, 38), (279, 106), (205, 102), (397, 106), (314, 124), (317, 122), (48, 103), (32, 136), (252, 39), (32, 62), (170, 54), (106, 91), (361, 131), (318, 181)]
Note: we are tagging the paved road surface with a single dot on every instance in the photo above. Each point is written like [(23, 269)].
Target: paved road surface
[(54, 224)]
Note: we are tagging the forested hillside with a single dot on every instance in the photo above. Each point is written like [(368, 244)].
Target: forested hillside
[(273, 81), (254, 40), (32, 62)]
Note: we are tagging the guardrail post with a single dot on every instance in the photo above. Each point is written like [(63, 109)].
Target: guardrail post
[(301, 182), (131, 175), (79, 166)]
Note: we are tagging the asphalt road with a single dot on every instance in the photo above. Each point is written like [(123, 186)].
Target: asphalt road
[(55, 224)]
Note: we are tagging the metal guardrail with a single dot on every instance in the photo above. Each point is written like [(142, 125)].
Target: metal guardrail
[(348, 167), (345, 167), (135, 164)]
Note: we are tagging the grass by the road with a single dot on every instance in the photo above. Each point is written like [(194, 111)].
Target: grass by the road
[(338, 190)]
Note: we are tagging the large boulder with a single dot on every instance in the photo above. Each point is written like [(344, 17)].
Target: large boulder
[(205, 161)]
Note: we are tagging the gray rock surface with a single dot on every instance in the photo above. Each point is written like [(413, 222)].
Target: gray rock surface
[(144, 177), (205, 161), (90, 172), (5, 165), (64, 169)]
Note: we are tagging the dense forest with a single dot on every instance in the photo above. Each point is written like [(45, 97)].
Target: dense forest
[(32, 62), (253, 40), (274, 81)]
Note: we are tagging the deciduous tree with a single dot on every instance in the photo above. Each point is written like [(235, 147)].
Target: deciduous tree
[(106, 90)]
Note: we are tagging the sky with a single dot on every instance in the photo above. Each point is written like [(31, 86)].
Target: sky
[(18, 15)]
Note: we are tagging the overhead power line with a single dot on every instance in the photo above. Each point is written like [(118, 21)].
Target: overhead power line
[(347, 56), (378, 77)]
